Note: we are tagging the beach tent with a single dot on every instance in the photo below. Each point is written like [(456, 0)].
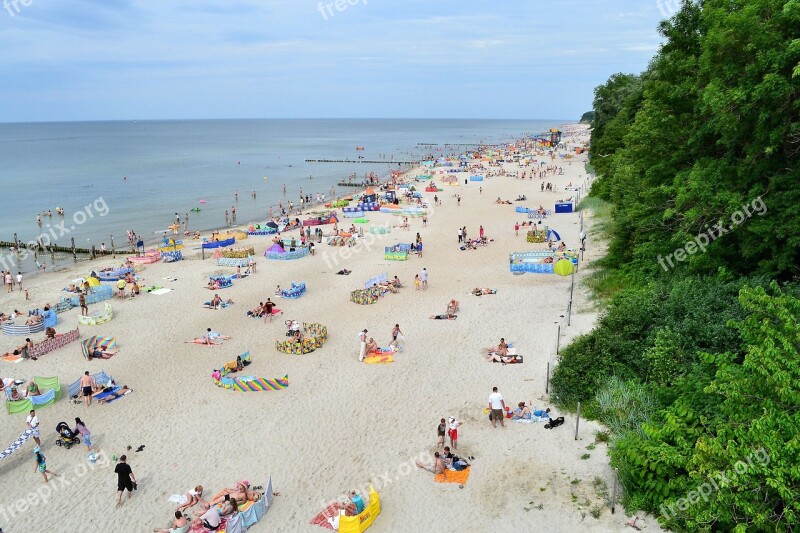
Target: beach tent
[(369, 196), (271, 224), (552, 235), (53, 393), (96, 342), (276, 249)]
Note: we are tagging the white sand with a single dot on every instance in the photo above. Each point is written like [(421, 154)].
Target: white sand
[(340, 423)]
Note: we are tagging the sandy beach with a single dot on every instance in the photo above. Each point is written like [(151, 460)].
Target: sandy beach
[(340, 424)]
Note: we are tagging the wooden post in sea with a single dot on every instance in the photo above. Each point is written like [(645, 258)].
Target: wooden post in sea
[(113, 252), (93, 252), (74, 256), (16, 243)]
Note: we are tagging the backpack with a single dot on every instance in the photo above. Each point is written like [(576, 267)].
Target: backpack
[(554, 423)]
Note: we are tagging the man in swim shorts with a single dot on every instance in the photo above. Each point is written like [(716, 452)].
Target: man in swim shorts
[(87, 387)]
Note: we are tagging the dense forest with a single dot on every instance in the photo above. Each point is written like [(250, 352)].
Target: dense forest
[(695, 365)]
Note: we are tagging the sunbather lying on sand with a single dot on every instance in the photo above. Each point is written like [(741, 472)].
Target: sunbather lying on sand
[(477, 291), (103, 354), (505, 359), (448, 316), (114, 395), (240, 493)]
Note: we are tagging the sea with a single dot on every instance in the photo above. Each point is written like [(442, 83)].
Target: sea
[(114, 176)]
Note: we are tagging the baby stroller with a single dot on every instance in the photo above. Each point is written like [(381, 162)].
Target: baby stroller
[(68, 438)]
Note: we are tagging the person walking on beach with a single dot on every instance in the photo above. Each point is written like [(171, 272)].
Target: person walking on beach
[(82, 302), (458, 200), (395, 333), (516, 229), (362, 352), (416, 282), (9, 282), (480, 232), (125, 479), (460, 236), (81, 428), (441, 431), (41, 464), (87, 387), (423, 276), (497, 408), (33, 424)]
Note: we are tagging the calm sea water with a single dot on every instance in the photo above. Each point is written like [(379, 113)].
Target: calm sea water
[(141, 173)]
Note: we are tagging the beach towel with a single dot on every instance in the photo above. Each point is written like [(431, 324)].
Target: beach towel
[(160, 292), (118, 397), (12, 358), (150, 288), (379, 359), (453, 476), (16, 444), (322, 518)]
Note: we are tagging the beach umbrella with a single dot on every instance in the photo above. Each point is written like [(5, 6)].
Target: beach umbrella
[(563, 267)]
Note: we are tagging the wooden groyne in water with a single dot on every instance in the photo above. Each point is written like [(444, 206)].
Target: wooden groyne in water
[(371, 161), (42, 248)]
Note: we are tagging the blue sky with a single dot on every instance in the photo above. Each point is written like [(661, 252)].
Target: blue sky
[(153, 59)]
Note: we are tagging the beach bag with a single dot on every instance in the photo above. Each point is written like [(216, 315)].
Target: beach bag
[(554, 423)]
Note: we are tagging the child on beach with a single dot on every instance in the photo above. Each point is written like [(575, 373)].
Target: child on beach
[(452, 431), (416, 282)]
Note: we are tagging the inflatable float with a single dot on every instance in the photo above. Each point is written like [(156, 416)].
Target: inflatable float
[(98, 318), (150, 256), (219, 244), (114, 274), (222, 378)]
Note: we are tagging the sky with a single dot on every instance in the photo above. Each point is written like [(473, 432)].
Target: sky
[(192, 59)]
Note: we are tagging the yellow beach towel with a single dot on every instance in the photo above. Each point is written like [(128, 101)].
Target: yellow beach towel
[(453, 476), (379, 359)]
